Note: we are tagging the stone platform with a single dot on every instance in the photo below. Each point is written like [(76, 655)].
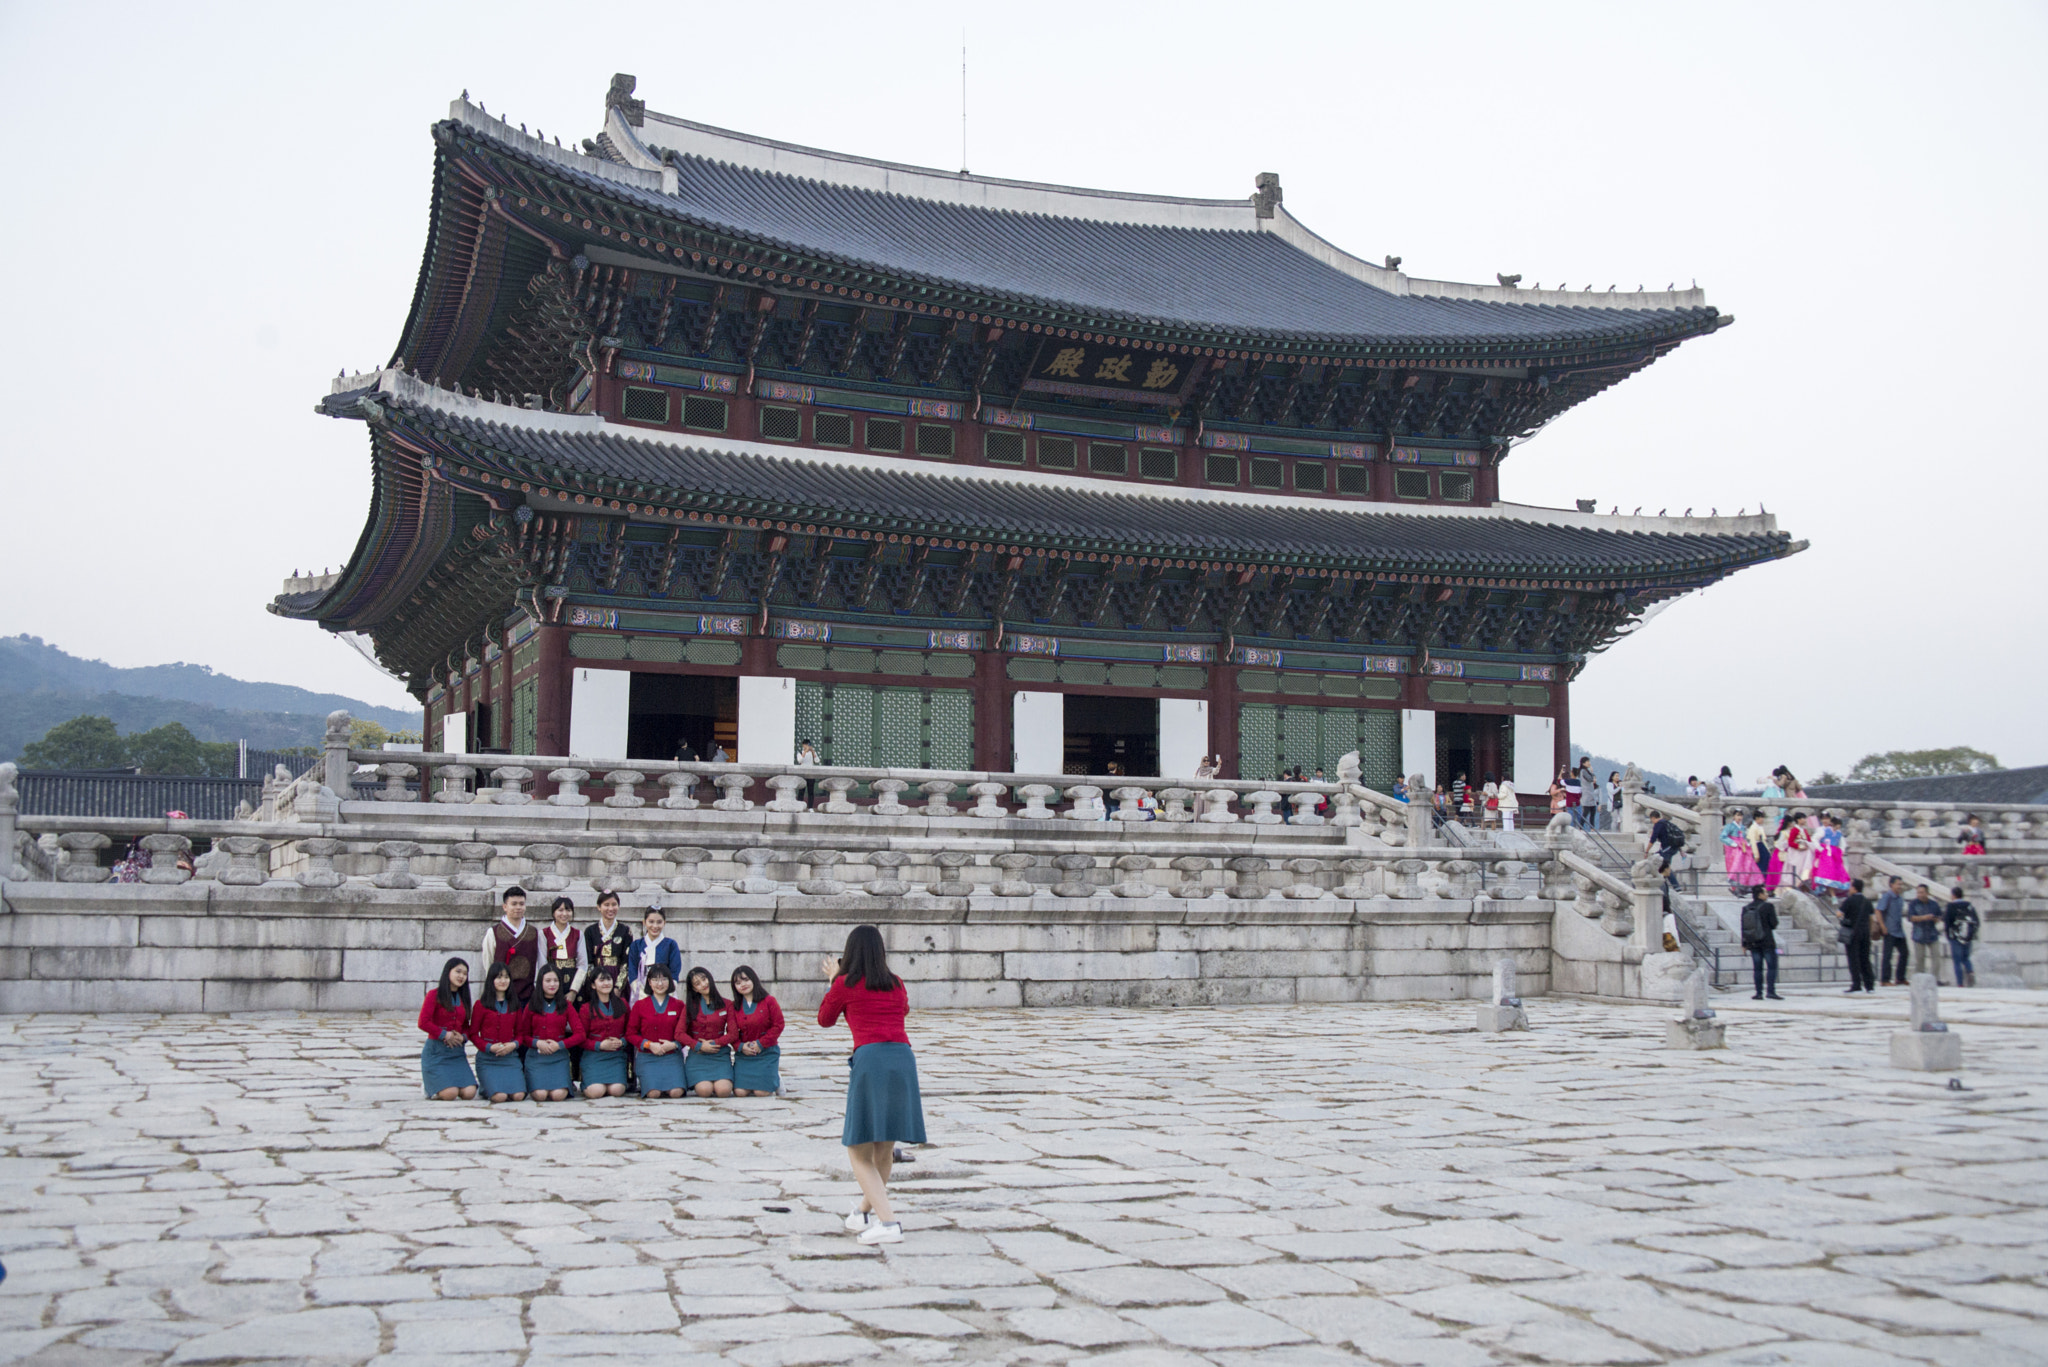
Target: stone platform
[(1235, 1186)]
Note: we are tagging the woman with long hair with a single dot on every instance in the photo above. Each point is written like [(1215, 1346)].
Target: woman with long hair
[(757, 1030), (651, 1030), (444, 1016), (494, 1024), (1737, 855), (883, 1107), (551, 1029), (604, 1037), (706, 1031), (1830, 867)]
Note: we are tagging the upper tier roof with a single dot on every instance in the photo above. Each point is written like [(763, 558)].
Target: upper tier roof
[(1242, 266)]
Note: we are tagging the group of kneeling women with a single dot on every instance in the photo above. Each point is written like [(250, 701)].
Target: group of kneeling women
[(664, 1045)]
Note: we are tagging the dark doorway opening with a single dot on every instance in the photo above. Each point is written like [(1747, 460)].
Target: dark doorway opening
[(668, 712), (1480, 746), (483, 733), (1105, 732)]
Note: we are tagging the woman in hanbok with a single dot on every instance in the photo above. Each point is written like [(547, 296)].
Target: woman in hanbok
[(1737, 855), (1830, 869), (561, 946), (1761, 851), (1791, 852)]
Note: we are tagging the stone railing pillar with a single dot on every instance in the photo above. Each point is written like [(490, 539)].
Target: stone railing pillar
[(1462, 879), (1262, 803), (454, 780), (1087, 803), (10, 810), (394, 776), (1305, 809), (1133, 867), (618, 863), (1173, 804), (835, 790), (1355, 870), (951, 881), (1344, 809), (512, 781), (1248, 885), (821, 883), (734, 787), (1304, 888), (398, 857), (886, 801), (755, 882), (547, 858), (679, 787), (622, 783), (1192, 867), (472, 864), (568, 787), (1421, 832), (1216, 807), (988, 800), (935, 793), (338, 768), (789, 794), (320, 871), (1130, 803), (79, 851), (1407, 880), (888, 880), (1035, 795), (686, 879), (164, 850), (1076, 883), (1011, 882)]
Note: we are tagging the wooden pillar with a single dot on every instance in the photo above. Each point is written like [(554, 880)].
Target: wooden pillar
[(991, 713), (757, 656), (1223, 717), (1561, 750), (552, 685)]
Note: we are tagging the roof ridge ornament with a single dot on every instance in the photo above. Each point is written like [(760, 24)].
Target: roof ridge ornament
[(620, 97), (1267, 195)]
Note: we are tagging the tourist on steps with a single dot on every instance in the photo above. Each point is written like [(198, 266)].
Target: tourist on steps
[(1737, 856), (1923, 921), (651, 1030), (706, 1033), (549, 1030), (757, 1032), (444, 1017), (1759, 937), (1830, 868), (1959, 921), (1891, 910), (603, 1019), (883, 1107), (494, 1025), (1859, 922)]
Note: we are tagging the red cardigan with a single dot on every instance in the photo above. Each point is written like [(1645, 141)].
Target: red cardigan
[(699, 1026), (762, 1025), (874, 1017), (562, 1025), (437, 1020), (597, 1026), (647, 1021), (488, 1027)]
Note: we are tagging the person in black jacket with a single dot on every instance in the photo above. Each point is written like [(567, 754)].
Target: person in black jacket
[(1759, 927), (1959, 920), (1856, 913)]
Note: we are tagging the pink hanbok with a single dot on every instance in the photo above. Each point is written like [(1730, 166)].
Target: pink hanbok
[(1737, 857), (1830, 870)]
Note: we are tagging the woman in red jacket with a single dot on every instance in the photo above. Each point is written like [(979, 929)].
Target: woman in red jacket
[(494, 1024), (757, 1026), (604, 1037), (651, 1029), (707, 1032), (550, 1029), (883, 1107), (444, 1016)]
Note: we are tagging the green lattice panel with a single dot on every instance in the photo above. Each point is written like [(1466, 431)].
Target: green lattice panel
[(810, 714), (899, 729), (525, 717), (1379, 748), (851, 735), (1258, 740), (952, 729), (1300, 739)]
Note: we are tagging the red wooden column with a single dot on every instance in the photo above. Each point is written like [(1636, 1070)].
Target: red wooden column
[(991, 713), (551, 698), (1223, 717), (1561, 749)]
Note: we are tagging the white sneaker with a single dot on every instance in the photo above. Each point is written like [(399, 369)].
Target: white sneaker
[(859, 1219), (879, 1233)]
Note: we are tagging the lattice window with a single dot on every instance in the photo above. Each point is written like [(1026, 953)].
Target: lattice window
[(1411, 484), (1310, 476), (1003, 448), (1055, 453), (935, 439), (1456, 485), (885, 434), (1220, 469), (1379, 748), (644, 405), (832, 429), (1354, 479), (524, 739), (850, 725), (951, 745), (781, 424), (1300, 738), (708, 414), (1266, 473), (899, 728), (1157, 463), (1258, 740), (810, 717), (1107, 459)]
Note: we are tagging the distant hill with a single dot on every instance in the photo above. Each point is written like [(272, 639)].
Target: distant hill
[(41, 685), (1603, 766)]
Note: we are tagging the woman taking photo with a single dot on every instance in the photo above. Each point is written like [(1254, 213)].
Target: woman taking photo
[(651, 1030), (494, 1024), (551, 1029), (706, 1032), (604, 1038), (883, 1107), (444, 1016), (757, 1028)]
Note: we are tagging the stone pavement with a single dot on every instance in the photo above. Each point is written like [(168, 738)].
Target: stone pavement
[(1278, 1186)]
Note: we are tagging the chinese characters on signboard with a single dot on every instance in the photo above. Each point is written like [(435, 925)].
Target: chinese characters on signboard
[(1091, 365)]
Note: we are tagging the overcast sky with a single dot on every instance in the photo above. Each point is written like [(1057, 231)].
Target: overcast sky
[(217, 208)]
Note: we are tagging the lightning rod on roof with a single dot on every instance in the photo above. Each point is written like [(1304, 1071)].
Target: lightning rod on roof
[(963, 101)]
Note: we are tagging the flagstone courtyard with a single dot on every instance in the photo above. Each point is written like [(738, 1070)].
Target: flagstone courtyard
[(1293, 1185)]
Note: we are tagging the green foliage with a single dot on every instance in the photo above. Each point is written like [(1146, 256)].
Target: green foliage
[(1892, 764), (1827, 778), (403, 738), (171, 749), (364, 734), (81, 743)]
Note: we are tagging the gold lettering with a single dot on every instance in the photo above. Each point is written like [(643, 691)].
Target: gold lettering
[(1067, 362), (1161, 375), (1116, 368)]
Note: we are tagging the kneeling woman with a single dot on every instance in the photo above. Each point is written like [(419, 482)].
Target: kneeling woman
[(757, 1028), (883, 1107), (651, 1029), (604, 1038), (551, 1029), (707, 1033), (494, 1024), (444, 1016)]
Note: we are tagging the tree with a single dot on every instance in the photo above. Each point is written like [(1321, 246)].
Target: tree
[(81, 743), (364, 734), (1895, 764), (169, 749)]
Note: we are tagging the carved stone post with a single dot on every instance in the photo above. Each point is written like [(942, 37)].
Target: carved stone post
[(1355, 870), (1262, 808), (1087, 803), (398, 857), (835, 790), (686, 879), (1407, 880), (1695, 1026), (617, 875), (163, 857), (821, 883), (1173, 804), (935, 792), (568, 784), (454, 780), (1192, 867), (1012, 883), (394, 789), (338, 767), (1504, 1011), (622, 783), (1558, 883), (1509, 871), (888, 881), (789, 794), (988, 800), (755, 882), (951, 882), (1344, 809), (1463, 879), (1247, 886), (547, 858), (1304, 888), (886, 801), (679, 798), (1305, 809), (1421, 831), (472, 860), (511, 785), (1130, 803), (1076, 867), (1035, 795), (734, 787), (80, 853), (1133, 867), (320, 871), (1631, 790), (1216, 807)]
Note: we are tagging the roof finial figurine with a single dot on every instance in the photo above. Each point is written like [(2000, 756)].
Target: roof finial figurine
[(1507, 281), (1393, 263), (1268, 193), (465, 94), (1686, 513), (620, 97), (1672, 286)]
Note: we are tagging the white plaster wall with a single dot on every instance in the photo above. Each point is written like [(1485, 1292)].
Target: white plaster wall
[(1183, 736), (1038, 733), (1535, 748), (767, 720), (599, 701), (1418, 743)]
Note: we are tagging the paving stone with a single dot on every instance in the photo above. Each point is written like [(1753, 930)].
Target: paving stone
[(1217, 1325), (924, 1323), (1119, 1286), (349, 1332)]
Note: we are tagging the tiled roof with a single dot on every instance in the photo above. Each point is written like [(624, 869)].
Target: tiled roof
[(2025, 786)]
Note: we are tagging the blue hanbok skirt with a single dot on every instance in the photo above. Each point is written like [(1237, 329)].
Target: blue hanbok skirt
[(547, 1072), (882, 1101), (443, 1066), (658, 1072), (603, 1067), (760, 1072), (703, 1067), (495, 1074)]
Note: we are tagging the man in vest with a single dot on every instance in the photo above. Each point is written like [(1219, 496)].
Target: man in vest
[(514, 941)]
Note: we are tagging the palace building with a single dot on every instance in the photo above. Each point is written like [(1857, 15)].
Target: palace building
[(692, 437)]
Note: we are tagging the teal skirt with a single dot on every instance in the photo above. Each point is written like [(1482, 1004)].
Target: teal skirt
[(495, 1075), (547, 1072), (603, 1067), (760, 1072), (703, 1067), (443, 1066), (882, 1101), (658, 1072)]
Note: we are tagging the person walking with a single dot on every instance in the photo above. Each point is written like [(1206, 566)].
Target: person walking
[(1759, 937), (1725, 781), (1923, 922), (1574, 795), (1508, 808), (1592, 794), (1959, 921), (1891, 911), (1857, 918), (1667, 842), (883, 1107)]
